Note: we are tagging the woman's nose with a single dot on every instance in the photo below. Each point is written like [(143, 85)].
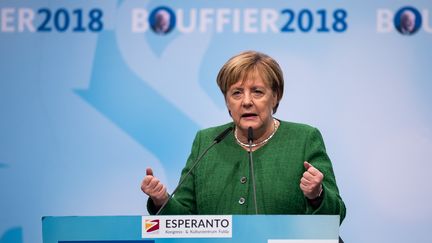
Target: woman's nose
[(247, 100)]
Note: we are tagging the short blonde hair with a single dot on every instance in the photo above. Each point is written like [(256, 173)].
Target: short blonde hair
[(240, 66)]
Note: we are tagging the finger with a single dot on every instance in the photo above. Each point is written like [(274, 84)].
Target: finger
[(314, 171), (305, 189), (304, 182), (161, 189), (146, 182), (158, 192), (149, 171), (311, 169), (308, 166), (313, 180), (158, 188), (302, 187), (308, 176), (162, 192), (153, 183)]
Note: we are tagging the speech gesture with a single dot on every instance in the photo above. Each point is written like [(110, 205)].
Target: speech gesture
[(311, 182), (154, 188)]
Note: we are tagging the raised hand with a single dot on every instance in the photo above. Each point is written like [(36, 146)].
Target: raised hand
[(311, 182), (154, 188)]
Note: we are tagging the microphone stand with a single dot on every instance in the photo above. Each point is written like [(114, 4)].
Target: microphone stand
[(219, 138), (250, 140)]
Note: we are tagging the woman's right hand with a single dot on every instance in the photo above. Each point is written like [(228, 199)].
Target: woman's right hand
[(154, 188)]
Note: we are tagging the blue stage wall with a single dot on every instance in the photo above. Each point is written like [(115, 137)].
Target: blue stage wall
[(93, 92)]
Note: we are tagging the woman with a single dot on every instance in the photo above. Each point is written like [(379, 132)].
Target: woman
[(293, 173)]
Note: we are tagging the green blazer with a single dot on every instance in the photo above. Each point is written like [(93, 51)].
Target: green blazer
[(221, 183)]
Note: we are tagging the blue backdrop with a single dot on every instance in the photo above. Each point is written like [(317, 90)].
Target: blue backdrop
[(91, 95)]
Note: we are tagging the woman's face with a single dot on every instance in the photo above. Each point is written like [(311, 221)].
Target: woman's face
[(251, 103)]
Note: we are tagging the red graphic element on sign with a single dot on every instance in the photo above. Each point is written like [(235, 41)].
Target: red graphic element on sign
[(151, 225)]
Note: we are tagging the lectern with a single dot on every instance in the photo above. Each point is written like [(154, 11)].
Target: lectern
[(192, 228)]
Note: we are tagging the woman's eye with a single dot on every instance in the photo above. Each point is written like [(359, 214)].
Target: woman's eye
[(258, 92), (236, 93)]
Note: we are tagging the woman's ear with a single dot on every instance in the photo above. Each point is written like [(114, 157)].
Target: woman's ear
[(227, 106), (275, 102), (275, 99)]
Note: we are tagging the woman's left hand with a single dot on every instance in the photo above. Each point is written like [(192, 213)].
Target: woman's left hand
[(311, 182)]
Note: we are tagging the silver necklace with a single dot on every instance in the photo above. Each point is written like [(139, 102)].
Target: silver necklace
[(260, 143)]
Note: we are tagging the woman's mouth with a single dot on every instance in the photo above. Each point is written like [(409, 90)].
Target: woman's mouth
[(249, 115)]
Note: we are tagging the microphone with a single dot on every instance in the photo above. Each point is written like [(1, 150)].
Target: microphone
[(217, 140), (222, 135), (250, 140), (250, 136)]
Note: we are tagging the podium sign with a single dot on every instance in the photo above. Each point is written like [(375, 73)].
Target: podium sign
[(192, 228)]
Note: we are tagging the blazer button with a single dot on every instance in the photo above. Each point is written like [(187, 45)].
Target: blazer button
[(243, 180), (241, 201)]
